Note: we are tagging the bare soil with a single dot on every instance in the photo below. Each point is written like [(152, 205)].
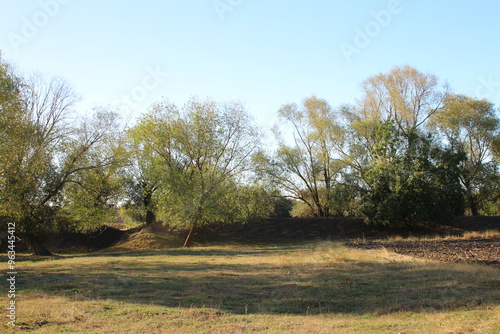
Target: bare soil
[(482, 251), (355, 233)]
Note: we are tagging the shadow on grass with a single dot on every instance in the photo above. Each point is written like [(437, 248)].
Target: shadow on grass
[(203, 278), (223, 251)]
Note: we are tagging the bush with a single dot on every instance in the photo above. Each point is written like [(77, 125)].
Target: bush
[(412, 181)]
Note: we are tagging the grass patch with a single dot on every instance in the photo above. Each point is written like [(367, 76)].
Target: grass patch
[(315, 288), (466, 235)]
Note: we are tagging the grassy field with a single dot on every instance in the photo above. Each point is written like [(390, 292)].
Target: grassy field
[(313, 288)]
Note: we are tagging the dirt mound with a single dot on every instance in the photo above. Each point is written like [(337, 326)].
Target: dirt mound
[(154, 236), (483, 251), (146, 240)]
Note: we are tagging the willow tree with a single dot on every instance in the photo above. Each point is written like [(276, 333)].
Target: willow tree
[(30, 185), (142, 175), (306, 164), (43, 149), (405, 97), (473, 125), (201, 152), (93, 187), (14, 126)]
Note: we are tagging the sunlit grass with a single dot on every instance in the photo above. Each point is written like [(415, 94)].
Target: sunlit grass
[(316, 288), (467, 235)]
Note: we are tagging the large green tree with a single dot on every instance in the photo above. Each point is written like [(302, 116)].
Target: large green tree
[(473, 126), (14, 125), (42, 151), (143, 173), (201, 152), (411, 184), (31, 185), (95, 189), (404, 100), (404, 96)]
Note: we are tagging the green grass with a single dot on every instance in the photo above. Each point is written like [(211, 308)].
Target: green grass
[(316, 288)]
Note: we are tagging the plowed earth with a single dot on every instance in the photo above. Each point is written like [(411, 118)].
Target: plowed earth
[(482, 251)]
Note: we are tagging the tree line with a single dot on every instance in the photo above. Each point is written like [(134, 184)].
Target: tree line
[(409, 151)]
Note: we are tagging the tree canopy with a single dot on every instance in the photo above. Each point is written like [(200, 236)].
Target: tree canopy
[(409, 151), (200, 154)]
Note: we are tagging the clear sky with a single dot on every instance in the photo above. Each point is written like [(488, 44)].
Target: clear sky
[(263, 53)]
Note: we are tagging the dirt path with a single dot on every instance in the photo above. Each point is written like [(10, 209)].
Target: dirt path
[(483, 251)]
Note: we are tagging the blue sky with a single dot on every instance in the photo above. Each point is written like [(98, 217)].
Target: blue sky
[(263, 53)]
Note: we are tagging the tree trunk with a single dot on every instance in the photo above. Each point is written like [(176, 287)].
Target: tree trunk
[(470, 199), (320, 210), (148, 200), (37, 247), (190, 236), (471, 202), (473, 207), (150, 217)]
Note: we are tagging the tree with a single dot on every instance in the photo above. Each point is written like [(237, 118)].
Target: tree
[(308, 169), (30, 185), (405, 96), (473, 126), (13, 127), (42, 152), (202, 154), (93, 192), (142, 175), (412, 184)]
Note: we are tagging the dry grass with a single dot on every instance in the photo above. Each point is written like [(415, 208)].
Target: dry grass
[(467, 235), (145, 240), (481, 234), (320, 288)]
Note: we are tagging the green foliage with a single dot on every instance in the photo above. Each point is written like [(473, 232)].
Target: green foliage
[(411, 180), (199, 157), (405, 96), (13, 127), (199, 164), (90, 199), (301, 209), (54, 170), (345, 200), (473, 126), (282, 206), (308, 168), (253, 203)]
